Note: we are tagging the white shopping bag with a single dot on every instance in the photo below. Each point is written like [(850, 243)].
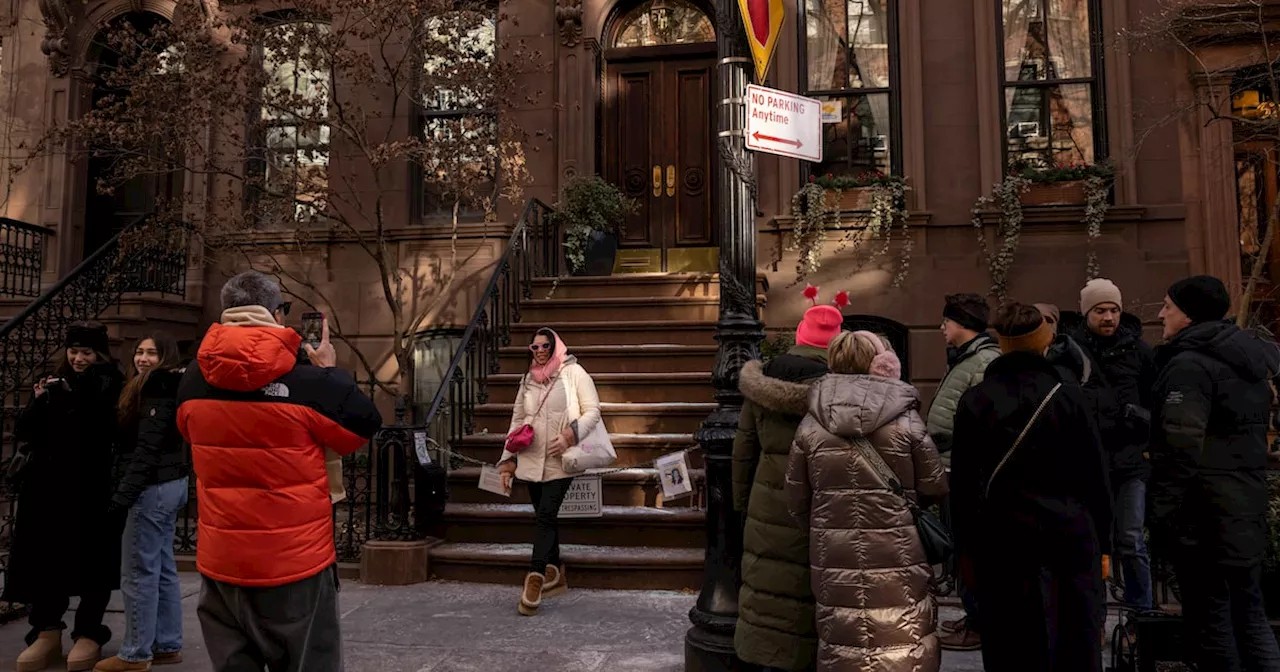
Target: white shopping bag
[(673, 470), (594, 451)]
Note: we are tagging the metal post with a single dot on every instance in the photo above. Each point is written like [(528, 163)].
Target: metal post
[(709, 643)]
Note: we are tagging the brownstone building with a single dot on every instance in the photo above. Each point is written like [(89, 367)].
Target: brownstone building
[(947, 95)]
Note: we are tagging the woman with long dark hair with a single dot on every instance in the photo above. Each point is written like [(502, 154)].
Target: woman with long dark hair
[(64, 542), (558, 400), (152, 489), (1031, 506)]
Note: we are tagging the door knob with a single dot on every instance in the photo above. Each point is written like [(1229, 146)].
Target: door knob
[(657, 180), (671, 180)]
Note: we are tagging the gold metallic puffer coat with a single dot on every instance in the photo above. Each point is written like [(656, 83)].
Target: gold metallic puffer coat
[(875, 612)]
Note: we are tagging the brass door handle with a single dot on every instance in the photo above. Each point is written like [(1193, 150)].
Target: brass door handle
[(657, 180), (671, 180)]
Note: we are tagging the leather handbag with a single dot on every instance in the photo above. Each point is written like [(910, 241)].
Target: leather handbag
[(934, 536), (522, 437)]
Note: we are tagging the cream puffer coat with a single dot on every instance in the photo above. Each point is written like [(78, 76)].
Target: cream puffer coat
[(572, 402), (870, 577)]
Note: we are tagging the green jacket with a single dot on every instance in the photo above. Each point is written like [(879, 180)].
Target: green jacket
[(965, 372), (776, 621)]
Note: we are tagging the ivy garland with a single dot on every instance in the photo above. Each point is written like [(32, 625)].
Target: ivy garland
[(1009, 194), (1096, 204), (813, 215)]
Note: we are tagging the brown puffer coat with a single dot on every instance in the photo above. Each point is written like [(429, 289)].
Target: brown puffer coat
[(875, 612)]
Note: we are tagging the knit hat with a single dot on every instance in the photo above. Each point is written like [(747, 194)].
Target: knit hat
[(1033, 339), (1202, 297), (968, 310), (1099, 291), (88, 335), (1050, 312), (821, 323)]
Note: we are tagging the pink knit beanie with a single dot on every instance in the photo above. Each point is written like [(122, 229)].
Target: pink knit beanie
[(820, 323)]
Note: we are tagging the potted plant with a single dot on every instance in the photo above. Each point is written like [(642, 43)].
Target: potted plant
[(1059, 184), (854, 192), (592, 213)]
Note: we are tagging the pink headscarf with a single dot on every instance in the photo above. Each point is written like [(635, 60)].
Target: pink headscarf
[(886, 363), (549, 370)]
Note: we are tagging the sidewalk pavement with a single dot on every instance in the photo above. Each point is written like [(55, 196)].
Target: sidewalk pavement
[(463, 627)]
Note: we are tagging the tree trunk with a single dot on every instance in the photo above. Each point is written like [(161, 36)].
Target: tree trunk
[(1246, 301)]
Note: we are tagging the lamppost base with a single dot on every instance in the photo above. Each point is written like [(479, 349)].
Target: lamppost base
[(709, 652)]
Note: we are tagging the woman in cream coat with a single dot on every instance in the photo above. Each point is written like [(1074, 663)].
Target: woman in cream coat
[(558, 399)]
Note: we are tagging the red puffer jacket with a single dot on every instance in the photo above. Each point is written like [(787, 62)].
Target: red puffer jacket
[(258, 423)]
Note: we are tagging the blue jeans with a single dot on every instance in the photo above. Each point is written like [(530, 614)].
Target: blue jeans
[(149, 575), (1131, 547)]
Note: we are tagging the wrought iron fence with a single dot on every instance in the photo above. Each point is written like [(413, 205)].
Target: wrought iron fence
[(21, 257), (146, 256), (534, 250)]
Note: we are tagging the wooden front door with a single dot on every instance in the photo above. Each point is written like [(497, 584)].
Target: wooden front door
[(658, 126)]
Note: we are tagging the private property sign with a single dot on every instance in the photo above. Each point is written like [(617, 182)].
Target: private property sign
[(783, 123)]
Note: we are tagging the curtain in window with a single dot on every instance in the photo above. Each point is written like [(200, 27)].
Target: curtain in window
[(825, 48), (1069, 43), (1018, 48)]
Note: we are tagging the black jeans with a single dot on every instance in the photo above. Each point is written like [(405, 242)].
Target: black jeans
[(1226, 626), (547, 498), (47, 615)]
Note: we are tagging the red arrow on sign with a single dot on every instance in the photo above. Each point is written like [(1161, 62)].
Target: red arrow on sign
[(783, 141)]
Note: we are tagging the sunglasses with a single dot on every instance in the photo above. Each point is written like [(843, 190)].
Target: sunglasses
[(536, 347), (284, 308)]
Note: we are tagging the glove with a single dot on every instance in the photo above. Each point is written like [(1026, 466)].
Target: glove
[(17, 464)]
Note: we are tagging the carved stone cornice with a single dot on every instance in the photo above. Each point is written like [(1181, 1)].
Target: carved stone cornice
[(56, 44), (569, 17)]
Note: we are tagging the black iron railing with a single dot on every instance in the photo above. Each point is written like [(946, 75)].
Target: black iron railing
[(21, 257), (533, 251), (145, 256)]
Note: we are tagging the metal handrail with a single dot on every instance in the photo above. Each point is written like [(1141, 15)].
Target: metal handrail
[(21, 257), (517, 236), (19, 224)]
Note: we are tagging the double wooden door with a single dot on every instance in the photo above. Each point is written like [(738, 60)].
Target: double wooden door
[(659, 121)]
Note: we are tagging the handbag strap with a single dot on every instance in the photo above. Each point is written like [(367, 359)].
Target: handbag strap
[(1018, 441), (883, 469)]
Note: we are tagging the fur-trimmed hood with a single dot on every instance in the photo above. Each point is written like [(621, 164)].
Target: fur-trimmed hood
[(790, 397)]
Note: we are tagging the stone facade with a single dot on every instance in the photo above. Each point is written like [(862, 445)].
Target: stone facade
[(1175, 196)]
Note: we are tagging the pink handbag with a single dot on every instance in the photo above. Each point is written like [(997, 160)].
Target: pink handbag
[(522, 437)]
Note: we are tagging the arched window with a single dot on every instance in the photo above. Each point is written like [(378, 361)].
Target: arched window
[(1051, 82), (294, 109), (458, 108), (850, 51), (658, 22)]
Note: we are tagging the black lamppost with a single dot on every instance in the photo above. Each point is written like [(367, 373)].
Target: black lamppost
[(709, 643)]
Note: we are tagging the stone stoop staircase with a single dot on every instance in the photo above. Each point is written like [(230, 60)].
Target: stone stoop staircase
[(648, 342)]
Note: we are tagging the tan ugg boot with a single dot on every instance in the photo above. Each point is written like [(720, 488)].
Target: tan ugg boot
[(118, 664), (169, 658), (557, 583), (531, 596), (45, 651), (84, 655)]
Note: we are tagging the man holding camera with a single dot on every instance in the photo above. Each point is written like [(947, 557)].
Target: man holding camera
[(259, 425), (1124, 366)]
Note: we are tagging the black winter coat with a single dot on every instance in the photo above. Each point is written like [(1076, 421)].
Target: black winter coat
[(1208, 489), (1125, 371), (64, 541), (1054, 487), (151, 449)]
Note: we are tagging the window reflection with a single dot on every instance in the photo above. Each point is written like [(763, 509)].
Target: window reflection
[(1051, 93), (295, 103), (849, 49), (660, 22)]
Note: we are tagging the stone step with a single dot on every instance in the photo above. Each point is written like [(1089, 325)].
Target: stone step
[(664, 418), (622, 358), (633, 449), (635, 308), (629, 332), (595, 566), (619, 526), (650, 388), (633, 487), (631, 285)]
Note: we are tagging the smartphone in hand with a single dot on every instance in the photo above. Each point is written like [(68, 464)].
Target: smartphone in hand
[(312, 328)]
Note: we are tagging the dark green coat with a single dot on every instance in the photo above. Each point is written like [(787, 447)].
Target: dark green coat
[(776, 624)]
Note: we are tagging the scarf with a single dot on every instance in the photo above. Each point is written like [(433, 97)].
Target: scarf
[(543, 373), (249, 316)]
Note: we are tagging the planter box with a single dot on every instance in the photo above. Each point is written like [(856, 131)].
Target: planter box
[(1055, 193), (845, 200)]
